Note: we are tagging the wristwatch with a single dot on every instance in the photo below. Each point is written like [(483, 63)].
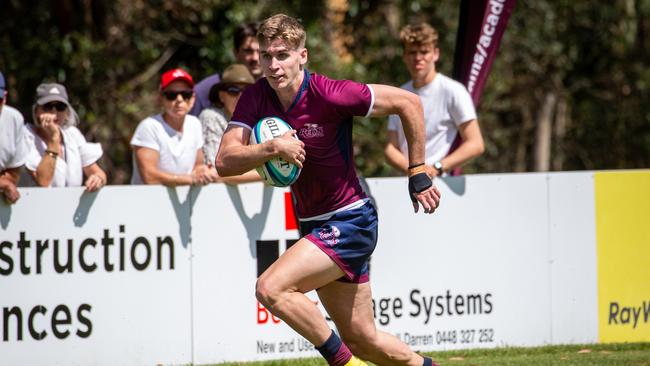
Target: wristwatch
[(438, 166)]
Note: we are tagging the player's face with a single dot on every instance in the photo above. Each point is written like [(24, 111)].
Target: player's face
[(249, 54), (177, 99), (282, 65), (420, 59)]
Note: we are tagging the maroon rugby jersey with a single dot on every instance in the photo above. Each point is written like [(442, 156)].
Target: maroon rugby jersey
[(322, 114)]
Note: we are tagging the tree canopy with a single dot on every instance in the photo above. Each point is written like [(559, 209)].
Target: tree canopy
[(572, 73)]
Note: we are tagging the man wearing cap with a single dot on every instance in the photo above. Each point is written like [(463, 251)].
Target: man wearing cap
[(247, 52), (167, 146), (59, 155), (224, 96), (13, 149)]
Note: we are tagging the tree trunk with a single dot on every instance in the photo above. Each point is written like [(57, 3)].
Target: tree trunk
[(522, 142), (561, 123), (542, 149)]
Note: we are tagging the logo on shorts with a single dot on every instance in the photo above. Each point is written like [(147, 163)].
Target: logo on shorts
[(311, 130), (330, 235)]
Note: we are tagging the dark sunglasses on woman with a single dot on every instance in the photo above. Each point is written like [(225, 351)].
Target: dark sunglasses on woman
[(171, 95), (233, 90), (60, 107)]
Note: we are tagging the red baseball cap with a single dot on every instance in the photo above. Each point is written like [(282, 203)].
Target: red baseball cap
[(173, 75)]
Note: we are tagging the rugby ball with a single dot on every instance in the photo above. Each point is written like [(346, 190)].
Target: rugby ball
[(275, 172)]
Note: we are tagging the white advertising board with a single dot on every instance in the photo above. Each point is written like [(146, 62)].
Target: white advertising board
[(506, 260), (574, 294), (115, 298)]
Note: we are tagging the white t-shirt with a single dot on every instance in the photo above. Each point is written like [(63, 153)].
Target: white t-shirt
[(214, 124), (177, 149), (447, 105), (13, 146), (77, 154)]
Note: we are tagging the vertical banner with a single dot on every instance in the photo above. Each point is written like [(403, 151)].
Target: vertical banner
[(480, 28)]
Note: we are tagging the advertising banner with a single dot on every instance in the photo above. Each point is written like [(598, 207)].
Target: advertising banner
[(95, 279), (148, 275), (480, 28), (623, 236)]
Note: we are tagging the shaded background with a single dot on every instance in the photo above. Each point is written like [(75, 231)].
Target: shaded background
[(572, 72)]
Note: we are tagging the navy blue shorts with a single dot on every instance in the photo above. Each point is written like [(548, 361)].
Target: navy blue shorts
[(348, 237)]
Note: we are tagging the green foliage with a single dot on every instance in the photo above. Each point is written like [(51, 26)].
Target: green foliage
[(110, 55)]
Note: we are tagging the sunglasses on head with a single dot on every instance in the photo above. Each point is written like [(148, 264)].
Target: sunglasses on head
[(233, 90), (171, 95), (60, 107)]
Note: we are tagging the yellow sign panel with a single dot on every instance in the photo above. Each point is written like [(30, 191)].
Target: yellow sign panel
[(623, 240)]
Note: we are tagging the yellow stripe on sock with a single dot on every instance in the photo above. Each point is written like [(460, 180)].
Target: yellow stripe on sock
[(355, 362)]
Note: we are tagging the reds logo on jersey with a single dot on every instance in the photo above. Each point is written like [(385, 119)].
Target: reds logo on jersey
[(311, 130)]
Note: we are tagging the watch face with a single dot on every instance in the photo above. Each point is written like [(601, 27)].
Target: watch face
[(437, 165)]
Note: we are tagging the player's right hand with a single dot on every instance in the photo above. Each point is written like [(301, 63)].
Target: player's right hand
[(290, 149)]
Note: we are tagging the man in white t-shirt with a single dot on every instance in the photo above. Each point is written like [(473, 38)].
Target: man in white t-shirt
[(13, 149), (448, 108)]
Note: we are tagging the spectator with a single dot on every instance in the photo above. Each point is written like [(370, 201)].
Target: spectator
[(167, 146), (247, 52), (59, 155), (13, 149), (224, 96), (448, 108)]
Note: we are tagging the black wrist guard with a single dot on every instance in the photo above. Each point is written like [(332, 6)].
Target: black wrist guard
[(418, 183)]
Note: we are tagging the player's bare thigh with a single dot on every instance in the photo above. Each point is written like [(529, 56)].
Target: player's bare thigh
[(303, 267), (350, 307)]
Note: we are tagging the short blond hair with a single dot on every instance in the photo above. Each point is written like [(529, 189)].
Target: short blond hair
[(418, 34), (281, 26)]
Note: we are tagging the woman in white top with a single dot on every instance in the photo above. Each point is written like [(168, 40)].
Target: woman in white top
[(214, 119), (59, 154), (167, 146)]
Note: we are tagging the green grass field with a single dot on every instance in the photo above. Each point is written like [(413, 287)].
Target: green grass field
[(630, 354)]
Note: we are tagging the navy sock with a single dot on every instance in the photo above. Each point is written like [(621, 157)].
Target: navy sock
[(428, 362), (334, 351)]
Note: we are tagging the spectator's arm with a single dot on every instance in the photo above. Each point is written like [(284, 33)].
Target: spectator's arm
[(44, 172), (394, 156), (471, 147), (96, 178), (11, 174), (147, 163), (8, 182), (203, 173)]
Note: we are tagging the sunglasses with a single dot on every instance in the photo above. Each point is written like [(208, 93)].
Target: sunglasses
[(171, 95), (60, 107), (233, 90)]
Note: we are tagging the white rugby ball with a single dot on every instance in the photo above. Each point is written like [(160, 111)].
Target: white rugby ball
[(275, 172)]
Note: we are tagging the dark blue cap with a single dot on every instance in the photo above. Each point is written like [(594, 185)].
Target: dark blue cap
[(2, 84)]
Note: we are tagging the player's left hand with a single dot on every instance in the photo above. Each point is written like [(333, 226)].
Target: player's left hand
[(422, 191), (429, 199)]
